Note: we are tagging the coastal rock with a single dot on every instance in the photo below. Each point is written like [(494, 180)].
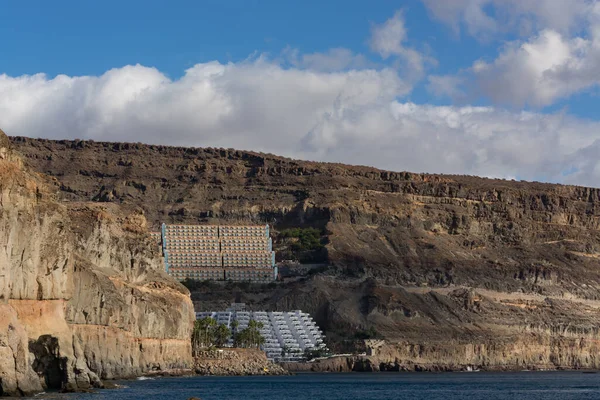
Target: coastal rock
[(236, 362), (83, 297), (450, 271), (531, 352)]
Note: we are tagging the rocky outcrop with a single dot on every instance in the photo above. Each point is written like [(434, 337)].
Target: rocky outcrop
[(533, 352), (236, 362), (82, 295), (434, 264)]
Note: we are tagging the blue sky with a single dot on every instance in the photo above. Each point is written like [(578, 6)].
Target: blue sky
[(90, 37), (501, 88), (87, 38)]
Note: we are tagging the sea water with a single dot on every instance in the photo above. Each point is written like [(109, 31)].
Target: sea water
[(359, 386)]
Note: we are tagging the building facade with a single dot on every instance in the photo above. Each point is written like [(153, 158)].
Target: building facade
[(211, 252), (287, 334)]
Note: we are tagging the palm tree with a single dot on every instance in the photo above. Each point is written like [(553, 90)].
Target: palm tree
[(196, 339), (254, 328), (250, 336), (241, 338), (203, 334), (209, 334), (222, 335)]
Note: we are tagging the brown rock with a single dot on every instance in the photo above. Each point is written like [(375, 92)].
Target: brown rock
[(78, 297), (452, 271)]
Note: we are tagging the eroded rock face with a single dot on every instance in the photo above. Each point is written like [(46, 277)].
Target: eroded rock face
[(529, 351), (82, 295), (435, 264)]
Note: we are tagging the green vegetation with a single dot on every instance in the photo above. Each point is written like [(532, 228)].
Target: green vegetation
[(234, 325), (307, 239), (221, 335), (310, 354), (370, 333), (193, 284), (250, 337), (207, 333), (243, 286)]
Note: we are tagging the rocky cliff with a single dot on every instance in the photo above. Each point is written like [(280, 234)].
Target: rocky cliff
[(446, 269), (82, 294)]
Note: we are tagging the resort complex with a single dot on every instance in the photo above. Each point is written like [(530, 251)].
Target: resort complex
[(288, 335), (213, 252)]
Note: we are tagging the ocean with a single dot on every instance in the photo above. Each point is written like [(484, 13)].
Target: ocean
[(359, 386)]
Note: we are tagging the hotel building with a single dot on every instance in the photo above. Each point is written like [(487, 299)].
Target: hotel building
[(211, 252), (287, 334)]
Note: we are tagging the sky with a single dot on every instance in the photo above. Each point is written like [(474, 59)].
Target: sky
[(496, 88)]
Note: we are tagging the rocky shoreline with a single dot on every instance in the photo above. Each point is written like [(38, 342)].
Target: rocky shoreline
[(236, 362), (361, 364)]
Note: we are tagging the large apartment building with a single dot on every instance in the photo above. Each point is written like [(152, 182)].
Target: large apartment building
[(212, 252), (287, 334)]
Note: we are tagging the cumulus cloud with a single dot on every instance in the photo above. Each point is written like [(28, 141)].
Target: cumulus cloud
[(468, 12), (446, 86), (353, 116), (553, 63), (542, 70), (485, 19), (538, 72), (336, 59), (388, 39), (253, 105)]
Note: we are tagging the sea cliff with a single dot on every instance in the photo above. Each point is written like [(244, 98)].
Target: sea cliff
[(83, 297), (448, 271)]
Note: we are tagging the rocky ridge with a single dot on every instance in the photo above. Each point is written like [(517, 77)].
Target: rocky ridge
[(83, 297), (449, 270)]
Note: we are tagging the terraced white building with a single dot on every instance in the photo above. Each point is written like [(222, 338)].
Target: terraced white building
[(287, 334), (212, 252)]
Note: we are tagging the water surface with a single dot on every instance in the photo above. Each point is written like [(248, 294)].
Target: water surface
[(355, 386)]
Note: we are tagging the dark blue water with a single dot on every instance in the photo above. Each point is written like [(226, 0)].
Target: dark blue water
[(378, 386)]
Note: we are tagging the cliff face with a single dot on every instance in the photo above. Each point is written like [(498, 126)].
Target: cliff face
[(432, 262), (82, 296), (526, 352)]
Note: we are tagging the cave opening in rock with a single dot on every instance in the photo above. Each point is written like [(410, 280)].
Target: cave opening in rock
[(48, 364)]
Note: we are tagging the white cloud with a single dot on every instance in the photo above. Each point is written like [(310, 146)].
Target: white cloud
[(446, 85), (484, 19), (546, 68), (464, 12), (388, 39), (353, 117), (561, 57), (336, 59), (244, 105)]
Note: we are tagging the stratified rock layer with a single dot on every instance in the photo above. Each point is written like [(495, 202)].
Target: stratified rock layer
[(82, 295), (449, 270)]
